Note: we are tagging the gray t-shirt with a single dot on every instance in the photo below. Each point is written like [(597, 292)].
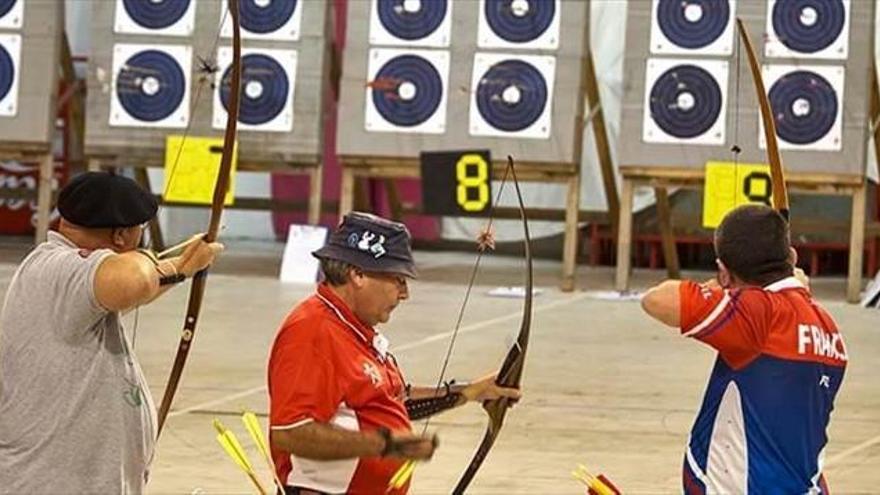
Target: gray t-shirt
[(76, 415)]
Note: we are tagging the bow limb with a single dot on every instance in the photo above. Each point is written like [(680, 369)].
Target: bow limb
[(777, 173), (511, 371), (221, 187)]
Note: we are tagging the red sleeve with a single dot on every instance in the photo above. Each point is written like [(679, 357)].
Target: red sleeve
[(302, 379), (734, 322)]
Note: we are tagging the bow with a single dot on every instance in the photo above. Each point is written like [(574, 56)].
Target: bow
[(197, 290), (777, 173), (511, 370)]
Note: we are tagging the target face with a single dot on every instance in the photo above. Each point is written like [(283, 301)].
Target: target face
[(512, 95), (685, 101), (532, 24), (814, 29), (151, 85), (807, 104), (155, 17), (11, 13), (407, 91), (411, 22), (265, 19), (10, 56), (692, 27), (268, 79)]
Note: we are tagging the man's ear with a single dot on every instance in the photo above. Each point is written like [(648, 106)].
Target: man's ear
[(792, 256), (357, 277), (725, 279), (117, 238)]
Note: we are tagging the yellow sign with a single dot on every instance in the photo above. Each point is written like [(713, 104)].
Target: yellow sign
[(191, 168), (729, 185)]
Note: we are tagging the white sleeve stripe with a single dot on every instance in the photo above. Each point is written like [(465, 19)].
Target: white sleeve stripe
[(292, 425), (712, 316)]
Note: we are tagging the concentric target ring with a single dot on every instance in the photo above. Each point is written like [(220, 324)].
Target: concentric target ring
[(264, 89), (151, 85), (804, 106), (155, 14), (685, 101), (519, 21), (407, 90), (511, 95), (411, 19), (6, 6), (808, 26), (693, 24), (262, 17), (7, 72)]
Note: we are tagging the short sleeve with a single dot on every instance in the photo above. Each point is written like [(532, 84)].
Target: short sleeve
[(73, 287)]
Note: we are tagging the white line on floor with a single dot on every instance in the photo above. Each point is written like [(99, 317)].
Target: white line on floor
[(402, 348), (852, 450)]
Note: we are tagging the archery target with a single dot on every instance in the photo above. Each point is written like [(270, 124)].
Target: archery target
[(685, 101), (703, 27), (532, 24), (268, 78), (155, 17), (512, 95), (151, 85), (816, 29), (10, 56), (11, 13), (807, 103), (407, 91), (411, 22), (265, 19)]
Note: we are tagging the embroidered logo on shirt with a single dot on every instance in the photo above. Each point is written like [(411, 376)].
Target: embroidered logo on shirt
[(371, 372)]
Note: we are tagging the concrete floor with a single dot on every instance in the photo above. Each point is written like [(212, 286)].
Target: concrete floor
[(603, 385)]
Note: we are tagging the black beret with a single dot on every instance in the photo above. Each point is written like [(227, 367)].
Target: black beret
[(102, 200), (371, 243)]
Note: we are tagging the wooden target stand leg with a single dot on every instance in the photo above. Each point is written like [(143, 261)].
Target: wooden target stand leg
[(316, 187), (44, 197), (624, 235), (856, 244), (570, 240)]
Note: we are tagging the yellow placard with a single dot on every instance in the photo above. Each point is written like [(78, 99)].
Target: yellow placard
[(729, 185), (191, 168)]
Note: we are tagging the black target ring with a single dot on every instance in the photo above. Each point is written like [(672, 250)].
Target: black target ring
[(155, 14), (685, 101), (498, 108), (6, 6), (157, 71), (7, 72), (517, 25), (808, 26), (804, 106), (693, 24), (411, 25), (273, 88), (390, 81), (266, 18)]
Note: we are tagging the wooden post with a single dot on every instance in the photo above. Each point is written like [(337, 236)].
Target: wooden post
[(570, 241), (393, 195), (856, 244), (600, 136), (316, 186), (44, 196), (346, 192), (667, 236), (624, 235)]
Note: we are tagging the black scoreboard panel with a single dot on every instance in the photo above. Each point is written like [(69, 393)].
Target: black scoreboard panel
[(457, 183)]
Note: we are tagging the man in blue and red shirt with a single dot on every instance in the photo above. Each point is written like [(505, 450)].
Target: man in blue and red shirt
[(781, 360), (340, 410)]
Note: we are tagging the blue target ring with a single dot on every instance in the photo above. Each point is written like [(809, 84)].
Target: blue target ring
[(685, 101), (804, 106), (693, 24), (406, 23), (518, 21), (6, 6), (258, 18), (407, 90), (151, 85), (808, 26), (511, 95), (265, 89), (156, 14), (7, 72)]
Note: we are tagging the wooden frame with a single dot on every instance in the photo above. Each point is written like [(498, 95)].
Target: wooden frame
[(46, 160)]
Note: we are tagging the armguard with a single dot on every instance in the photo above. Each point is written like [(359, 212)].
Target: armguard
[(423, 408)]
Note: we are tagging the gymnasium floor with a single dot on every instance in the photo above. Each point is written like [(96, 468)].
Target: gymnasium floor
[(603, 385)]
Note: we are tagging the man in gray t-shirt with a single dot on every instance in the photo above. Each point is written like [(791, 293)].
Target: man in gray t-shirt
[(76, 415)]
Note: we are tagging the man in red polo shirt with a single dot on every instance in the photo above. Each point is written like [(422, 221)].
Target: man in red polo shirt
[(340, 410)]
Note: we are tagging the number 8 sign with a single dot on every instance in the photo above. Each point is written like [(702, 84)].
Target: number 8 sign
[(456, 183)]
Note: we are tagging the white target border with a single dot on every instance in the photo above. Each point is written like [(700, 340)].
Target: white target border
[(184, 26), (179, 118), (436, 123), (9, 103), (541, 127), (14, 18), (835, 75), (837, 50), (440, 38), (548, 40), (283, 122), (289, 31), (714, 135), (661, 45)]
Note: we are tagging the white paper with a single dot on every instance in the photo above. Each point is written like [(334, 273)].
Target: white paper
[(298, 266)]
